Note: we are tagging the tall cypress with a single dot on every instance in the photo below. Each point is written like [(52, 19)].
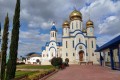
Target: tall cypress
[(4, 47), (11, 66)]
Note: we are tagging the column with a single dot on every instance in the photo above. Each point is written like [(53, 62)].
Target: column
[(119, 55), (100, 59), (111, 57)]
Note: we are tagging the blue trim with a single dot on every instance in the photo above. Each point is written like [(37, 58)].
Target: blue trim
[(76, 30), (52, 47), (79, 33), (80, 43)]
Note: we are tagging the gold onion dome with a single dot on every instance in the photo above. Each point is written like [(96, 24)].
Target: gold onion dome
[(84, 30), (65, 24), (89, 23), (75, 15)]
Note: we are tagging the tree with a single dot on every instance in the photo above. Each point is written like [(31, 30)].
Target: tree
[(4, 47), (11, 66)]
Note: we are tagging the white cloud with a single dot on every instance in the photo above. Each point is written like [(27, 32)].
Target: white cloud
[(110, 25)]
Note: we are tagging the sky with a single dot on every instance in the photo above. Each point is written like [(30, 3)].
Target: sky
[(36, 19)]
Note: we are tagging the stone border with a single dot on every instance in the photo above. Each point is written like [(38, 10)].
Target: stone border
[(45, 77)]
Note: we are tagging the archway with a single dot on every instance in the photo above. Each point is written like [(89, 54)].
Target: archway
[(81, 55)]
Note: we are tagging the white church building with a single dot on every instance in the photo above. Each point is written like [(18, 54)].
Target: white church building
[(78, 43)]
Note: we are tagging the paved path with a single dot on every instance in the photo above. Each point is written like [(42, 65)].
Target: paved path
[(86, 72)]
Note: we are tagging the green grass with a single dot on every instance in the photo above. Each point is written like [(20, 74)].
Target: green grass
[(34, 66), (22, 73)]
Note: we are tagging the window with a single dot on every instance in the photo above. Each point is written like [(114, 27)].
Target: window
[(66, 44), (92, 44), (86, 54), (66, 30), (47, 55), (72, 25), (86, 42), (52, 55), (73, 44), (92, 54), (76, 25), (73, 54), (79, 40), (43, 55), (66, 54), (53, 34), (80, 25)]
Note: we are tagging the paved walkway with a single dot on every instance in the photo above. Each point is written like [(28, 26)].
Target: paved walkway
[(86, 72)]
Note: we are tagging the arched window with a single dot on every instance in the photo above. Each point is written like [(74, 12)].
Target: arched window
[(76, 25), (73, 54), (72, 25), (53, 34), (66, 30), (80, 25), (47, 55), (66, 44), (92, 44), (92, 54), (52, 55), (79, 40), (66, 54), (86, 42), (73, 44)]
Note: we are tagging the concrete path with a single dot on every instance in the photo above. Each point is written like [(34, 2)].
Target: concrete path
[(86, 72)]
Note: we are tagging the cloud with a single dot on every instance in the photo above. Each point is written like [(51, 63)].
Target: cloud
[(110, 26)]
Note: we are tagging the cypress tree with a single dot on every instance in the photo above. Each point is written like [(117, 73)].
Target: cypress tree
[(4, 47), (11, 66)]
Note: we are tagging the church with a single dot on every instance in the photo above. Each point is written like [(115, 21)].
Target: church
[(78, 43)]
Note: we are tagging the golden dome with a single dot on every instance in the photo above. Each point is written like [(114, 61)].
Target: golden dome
[(89, 23), (75, 15), (84, 30), (65, 24)]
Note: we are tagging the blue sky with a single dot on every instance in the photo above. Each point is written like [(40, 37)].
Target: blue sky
[(37, 17)]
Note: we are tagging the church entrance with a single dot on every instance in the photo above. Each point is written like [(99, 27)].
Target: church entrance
[(81, 55)]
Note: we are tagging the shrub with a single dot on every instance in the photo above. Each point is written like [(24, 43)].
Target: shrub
[(56, 61)]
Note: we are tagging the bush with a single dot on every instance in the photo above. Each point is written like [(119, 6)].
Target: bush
[(56, 61)]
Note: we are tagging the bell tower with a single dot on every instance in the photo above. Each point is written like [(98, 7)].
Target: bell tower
[(53, 33)]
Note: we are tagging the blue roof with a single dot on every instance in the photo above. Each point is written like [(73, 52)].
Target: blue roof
[(53, 28), (112, 43), (59, 43), (43, 48)]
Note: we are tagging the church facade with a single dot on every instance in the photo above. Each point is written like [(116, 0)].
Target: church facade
[(78, 43)]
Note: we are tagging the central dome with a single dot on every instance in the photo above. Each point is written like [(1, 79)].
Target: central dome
[(75, 15)]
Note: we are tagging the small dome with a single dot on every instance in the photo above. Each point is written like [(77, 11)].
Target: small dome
[(53, 28), (84, 30), (75, 15), (65, 24), (89, 23)]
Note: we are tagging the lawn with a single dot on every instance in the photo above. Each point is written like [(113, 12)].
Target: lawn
[(29, 70), (22, 73), (34, 66)]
